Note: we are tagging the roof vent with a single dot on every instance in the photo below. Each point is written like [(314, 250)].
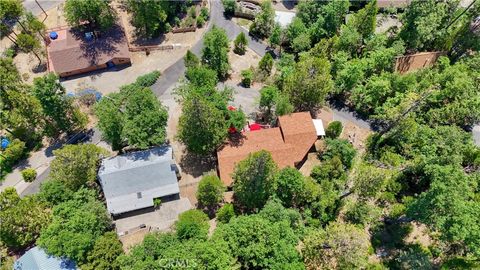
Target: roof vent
[(139, 195)]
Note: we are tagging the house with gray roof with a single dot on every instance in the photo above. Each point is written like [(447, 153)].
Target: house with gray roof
[(37, 259), (132, 181)]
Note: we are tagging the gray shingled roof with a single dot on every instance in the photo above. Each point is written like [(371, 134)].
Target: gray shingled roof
[(133, 180)]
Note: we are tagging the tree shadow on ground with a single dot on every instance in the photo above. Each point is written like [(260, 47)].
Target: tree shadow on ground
[(197, 165)]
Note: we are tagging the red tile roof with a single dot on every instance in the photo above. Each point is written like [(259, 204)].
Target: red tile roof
[(288, 144), (71, 51)]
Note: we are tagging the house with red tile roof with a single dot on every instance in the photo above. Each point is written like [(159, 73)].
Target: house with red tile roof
[(71, 51), (289, 143)]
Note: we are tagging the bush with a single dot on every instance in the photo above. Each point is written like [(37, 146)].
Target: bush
[(334, 129), (229, 6), (192, 224), (157, 202), (148, 79), (210, 191), (341, 148), (204, 13), (29, 175), (247, 77), (13, 153), (265, 65), (200, 21), (240, 44), (225, 213)]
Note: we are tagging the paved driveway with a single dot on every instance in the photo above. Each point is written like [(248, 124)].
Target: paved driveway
[(161, 219)]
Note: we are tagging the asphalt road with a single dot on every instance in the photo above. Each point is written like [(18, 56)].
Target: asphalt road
[(171, 75)]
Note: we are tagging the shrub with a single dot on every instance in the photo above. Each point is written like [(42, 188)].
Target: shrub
[(157, 202), (229, 6), (29, 175), (192, 224), (210, 191), (13, 153), (240, 44), (148, 79), (341, 148), (247, 77), (265, 65), (200, 21), (225, 213), (334, 129), (204, 13), (192, 12)]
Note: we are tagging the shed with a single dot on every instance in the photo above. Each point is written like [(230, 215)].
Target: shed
[(131, 181), (37, 259)]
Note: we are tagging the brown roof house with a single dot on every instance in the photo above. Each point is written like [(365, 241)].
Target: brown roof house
[(72, 51), (288, 143), (412, 62)]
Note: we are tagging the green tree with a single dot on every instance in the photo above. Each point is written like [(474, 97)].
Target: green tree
[(191, 60), (192, 224), (340, 148), (202, 127), (210, 191), (283, 105), (268, 98), (264, 21), (61, 114), (276, 38), (229, 6), (76, 165), (110, 120), (225, 213), (260, 243), (28, 43), (145, 120), (254, 180), (330, 170), (309, 84), (240, 43), (237, 119), (265, 65), (104, 253), (151, 18), (334, 129), (159, 250), (339, 246), (450, 207), (9, 10), (54, 192), (22, 219), (29, 174), (75, 227), (22, 114), (365, 20), (247, 77), (422, 19), (133, 117), (97, 13), (215, 51), (290, 187)]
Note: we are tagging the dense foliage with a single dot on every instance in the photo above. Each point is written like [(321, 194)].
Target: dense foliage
[(134, 117)]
